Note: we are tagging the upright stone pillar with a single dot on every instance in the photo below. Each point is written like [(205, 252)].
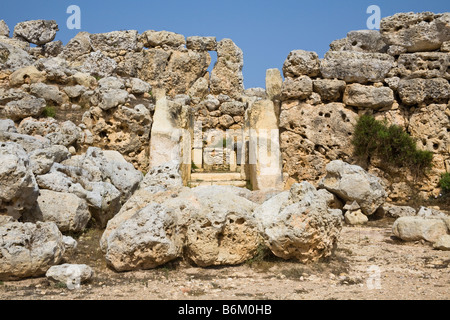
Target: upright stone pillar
[(274, 82), (265, 165), (165, 136)]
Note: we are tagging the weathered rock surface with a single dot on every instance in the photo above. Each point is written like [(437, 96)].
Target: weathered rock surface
[(352, 183), (221, 231), (66, 210), (299, 224), (226, 76), (357, 67), (419, 91), (299, 88), (368, 97), (329, 90), (29, 250), (19, 191), (418, 228), (147, 239), (423, 31), (152, 39), (38, 32), (201, 43), (73, 275), (443, 243), (29, 106), (301, 62), (314, 136)]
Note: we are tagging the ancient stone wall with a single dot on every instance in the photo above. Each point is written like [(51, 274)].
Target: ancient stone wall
[(399, 74)]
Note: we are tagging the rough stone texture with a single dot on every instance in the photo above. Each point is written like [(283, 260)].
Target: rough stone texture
[(18, 191), (352, 183), (201, 43), (184, 69), (226, 76), (366, 41), (41, 160), (425, 212), (431, 125), (4, 29), (368, 97), (419, 91), (313, 136), (445, 46), (29, 250), (356, 66), (26, 75), (329, 90), (76, 49), (274, 83), (127, 130), (221, 230), (265, 164), (147, 239), (423, 31), (355, 217), (299, 224), (162, 178), (66, 210), (29, 106), (98, 65), (443, 243), (400, 211), (115, 41), (152, 39), (301, 62), (233, 108), (70, 274), (299, 88), (38, 32), (417, 228), (50, 93), (424, 65), (13, 58)]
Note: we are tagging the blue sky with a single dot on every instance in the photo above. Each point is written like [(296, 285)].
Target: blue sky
[(265, 30)]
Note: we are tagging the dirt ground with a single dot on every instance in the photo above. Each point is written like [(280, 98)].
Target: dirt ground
[(368, 264)]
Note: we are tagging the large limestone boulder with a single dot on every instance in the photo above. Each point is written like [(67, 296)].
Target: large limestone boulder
[(329, 90), (29, 250), (423, 31), (201, 43), (220, 229), (299, 88), (163, 39), (299, 224), (424, 65), (66, 210), (115, 41), (13, 57), (29, 106), (424, 91), (38, 32), (147, 239), (419, 228), (361, 96), (28, 75), (226, 76), (301, 62), (314, 136), (353, 183), (357, 67), (18, 191)]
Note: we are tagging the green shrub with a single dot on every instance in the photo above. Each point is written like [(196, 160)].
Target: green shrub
[(444, 183), (393, 146), (49, 112)]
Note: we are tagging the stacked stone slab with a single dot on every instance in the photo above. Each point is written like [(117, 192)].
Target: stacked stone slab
[(398, 74)]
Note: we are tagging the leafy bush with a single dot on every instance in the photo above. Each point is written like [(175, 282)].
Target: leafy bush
[(444, 183), (390, 144), (49, 112)]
